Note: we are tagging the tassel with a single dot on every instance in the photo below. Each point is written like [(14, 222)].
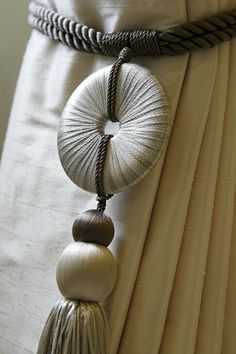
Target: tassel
[(75, 327), (86, 274)]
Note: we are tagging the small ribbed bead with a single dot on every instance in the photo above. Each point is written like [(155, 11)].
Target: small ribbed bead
[(93, 226)]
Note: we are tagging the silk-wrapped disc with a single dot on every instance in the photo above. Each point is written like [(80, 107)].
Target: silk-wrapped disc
[(143, 112)]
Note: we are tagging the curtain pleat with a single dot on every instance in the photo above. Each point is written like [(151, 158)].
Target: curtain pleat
[(165, 234), (212, 313), (228, 340), (183, 312)]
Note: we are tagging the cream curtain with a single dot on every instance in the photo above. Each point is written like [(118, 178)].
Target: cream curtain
[(175, 241)]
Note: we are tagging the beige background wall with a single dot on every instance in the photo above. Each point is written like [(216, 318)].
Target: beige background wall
[(14, 32)]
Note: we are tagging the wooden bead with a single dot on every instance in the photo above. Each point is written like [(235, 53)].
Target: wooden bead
[(86, 271), (93, 226)]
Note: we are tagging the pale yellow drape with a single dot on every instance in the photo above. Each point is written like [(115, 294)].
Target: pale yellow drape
[(175, 241)]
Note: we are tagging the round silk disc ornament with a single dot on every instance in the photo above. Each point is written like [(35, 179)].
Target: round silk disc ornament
[(142, 109)]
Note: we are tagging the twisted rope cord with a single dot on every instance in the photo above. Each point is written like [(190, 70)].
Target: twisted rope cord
[(67, 31), (125, 56), (176, 40), (101, 156)]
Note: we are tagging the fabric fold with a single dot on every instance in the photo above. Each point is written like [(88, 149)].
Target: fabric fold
[(183, 311), (213, 306), (162, 246)]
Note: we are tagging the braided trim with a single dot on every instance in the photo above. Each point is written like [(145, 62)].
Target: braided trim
[(176, 40)]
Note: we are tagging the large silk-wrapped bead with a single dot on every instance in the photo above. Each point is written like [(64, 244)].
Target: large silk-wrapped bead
[(86, 271)]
